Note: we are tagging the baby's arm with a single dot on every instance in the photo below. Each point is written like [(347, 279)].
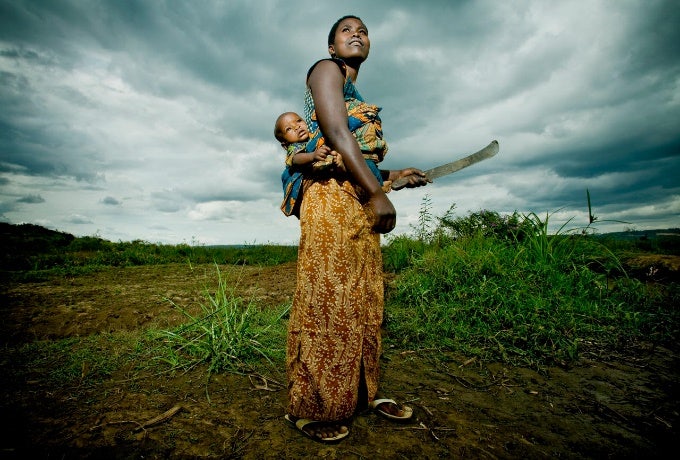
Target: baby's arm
[(320, 154), (303, 158)]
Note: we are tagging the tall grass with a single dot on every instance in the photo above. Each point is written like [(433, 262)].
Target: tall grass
[(502, 288), (230, 333)]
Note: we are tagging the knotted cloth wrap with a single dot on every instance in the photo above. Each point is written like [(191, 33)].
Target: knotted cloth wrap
[(364, 123), (292, 182)]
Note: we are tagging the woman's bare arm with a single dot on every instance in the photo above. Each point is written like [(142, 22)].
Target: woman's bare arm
[(326, 82)]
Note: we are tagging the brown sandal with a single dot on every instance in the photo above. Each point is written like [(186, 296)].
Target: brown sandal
[(407, 411), (301, 423)]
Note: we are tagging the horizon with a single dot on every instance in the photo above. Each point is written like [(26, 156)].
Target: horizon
[(672, 231)]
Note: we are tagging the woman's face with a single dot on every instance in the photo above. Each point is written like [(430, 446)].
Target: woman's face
[(351, 40)]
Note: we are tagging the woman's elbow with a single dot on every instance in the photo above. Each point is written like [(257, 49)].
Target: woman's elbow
[(339, 135)]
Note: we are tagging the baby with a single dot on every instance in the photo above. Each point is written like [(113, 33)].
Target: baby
[(293, 134), (307, 152)]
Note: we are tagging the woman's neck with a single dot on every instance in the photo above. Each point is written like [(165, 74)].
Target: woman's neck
[(352, 70)]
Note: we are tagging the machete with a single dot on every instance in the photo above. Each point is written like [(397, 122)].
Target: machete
[(448, 168)]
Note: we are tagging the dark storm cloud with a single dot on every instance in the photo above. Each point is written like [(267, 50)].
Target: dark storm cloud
[(222, 43), (109, 200), (31, 199), (79, 219)]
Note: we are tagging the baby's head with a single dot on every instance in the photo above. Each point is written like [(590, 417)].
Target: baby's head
[(290, 128)]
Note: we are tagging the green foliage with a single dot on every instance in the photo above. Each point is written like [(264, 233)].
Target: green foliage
[(481, 296), (230, 334), (499, 287), (401, 252), (566, 249), (425, 220), (512, 227), (39, 252), (503, 288)]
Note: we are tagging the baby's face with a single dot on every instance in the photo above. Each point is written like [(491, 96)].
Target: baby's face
[(293, 128)]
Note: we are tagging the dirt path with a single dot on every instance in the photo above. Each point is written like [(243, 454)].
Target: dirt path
[(602, 407)]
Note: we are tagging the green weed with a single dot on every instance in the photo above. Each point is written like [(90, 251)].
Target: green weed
[(503, 288), (230, 334)]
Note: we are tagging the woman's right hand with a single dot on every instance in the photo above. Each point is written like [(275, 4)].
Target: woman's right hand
[(382, 212)]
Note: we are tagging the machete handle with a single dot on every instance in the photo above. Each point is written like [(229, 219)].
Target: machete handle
[(399, 183)]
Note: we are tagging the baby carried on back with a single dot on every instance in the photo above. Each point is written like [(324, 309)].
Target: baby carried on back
[(364, 123)]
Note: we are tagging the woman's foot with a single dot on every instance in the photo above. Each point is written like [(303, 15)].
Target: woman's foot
[(388, 408), (319, 431), (325, 431), (391, 409)]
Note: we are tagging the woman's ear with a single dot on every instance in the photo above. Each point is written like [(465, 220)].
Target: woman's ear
[(331, 50)]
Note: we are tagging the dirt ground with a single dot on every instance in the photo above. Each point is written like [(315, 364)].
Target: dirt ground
[(603, 406)]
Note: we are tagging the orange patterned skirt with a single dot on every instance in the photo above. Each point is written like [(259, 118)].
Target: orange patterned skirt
[(334, 326)]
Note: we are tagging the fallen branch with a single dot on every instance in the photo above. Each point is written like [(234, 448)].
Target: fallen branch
[(469, 385), (469, 361), (159, 419), (265, 383), (602, 405), (118, 422), (421, 428), (428, 411)]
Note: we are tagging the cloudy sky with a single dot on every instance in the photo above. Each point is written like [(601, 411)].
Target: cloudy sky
[(153, 119)]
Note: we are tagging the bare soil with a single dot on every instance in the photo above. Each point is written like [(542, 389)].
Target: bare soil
[(622, 405)]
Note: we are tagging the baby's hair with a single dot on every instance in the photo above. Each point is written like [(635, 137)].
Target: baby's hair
[(277, 133)]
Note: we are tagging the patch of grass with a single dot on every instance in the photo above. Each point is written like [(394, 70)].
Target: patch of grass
[(75, 361), (231, 333), (531, 300), (401, 252)]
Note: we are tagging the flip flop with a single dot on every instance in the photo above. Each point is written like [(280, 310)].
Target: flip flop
[(408, 412), (301, 423)]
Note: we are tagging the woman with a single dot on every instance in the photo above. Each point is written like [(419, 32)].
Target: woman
[(334, 328)]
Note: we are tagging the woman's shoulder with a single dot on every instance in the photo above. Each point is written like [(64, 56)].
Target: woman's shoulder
[(339, 62)]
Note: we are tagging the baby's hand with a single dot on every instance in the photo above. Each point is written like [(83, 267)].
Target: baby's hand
[(322, 152)]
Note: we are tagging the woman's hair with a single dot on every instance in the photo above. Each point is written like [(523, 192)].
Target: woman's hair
[(331, 34)]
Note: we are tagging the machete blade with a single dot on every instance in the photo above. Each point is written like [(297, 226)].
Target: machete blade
[(448, 168)]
